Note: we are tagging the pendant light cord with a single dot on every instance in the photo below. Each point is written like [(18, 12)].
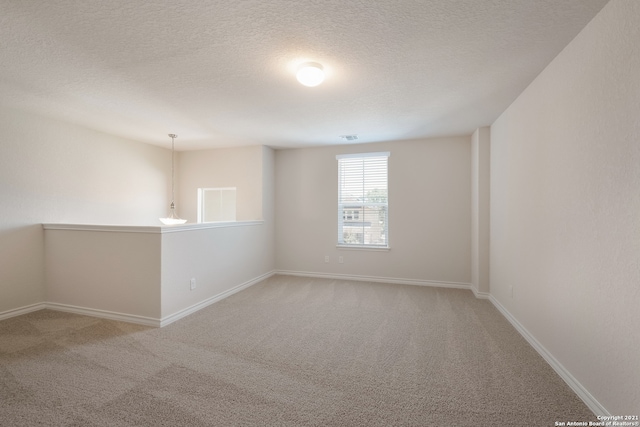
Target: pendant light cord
[(173, 219), (173, 166), (173, 136)]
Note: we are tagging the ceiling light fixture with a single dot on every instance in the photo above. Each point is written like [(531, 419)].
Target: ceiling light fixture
[(310, 74), (172, 219)]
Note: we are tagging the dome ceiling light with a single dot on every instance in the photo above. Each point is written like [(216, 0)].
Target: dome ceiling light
[(310, 74)]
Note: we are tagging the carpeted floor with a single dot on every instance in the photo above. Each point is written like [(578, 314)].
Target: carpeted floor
[(288, 351)]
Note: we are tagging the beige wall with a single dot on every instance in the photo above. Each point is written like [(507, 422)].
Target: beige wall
[(51, 172), (223, 167), (269, 205), (54, 172), (565, 208), (221, 258), (429, 212), (111, 271), (143, 274)]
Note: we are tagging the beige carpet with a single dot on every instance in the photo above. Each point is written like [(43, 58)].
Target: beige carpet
[(288, 351)]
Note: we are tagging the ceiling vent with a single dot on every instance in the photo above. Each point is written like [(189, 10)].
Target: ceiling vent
[(349, 137)]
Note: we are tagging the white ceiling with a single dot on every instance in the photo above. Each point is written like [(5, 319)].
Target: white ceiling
[(221, 73)]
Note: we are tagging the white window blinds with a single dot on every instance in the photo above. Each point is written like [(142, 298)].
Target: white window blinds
[(363, 207)]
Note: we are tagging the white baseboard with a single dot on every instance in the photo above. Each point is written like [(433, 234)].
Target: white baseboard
[(478, 294), (22, 310), (202, 304), (575, 385), (439, 284), (132, 318), (103, 314)]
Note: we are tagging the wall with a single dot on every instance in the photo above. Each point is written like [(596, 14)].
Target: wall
[(142, 274), (55, 172), (480, 166), (268, 206), (429, 212), (565, 208), (239, 167), (52, 171), (220, 259), (112, 271)]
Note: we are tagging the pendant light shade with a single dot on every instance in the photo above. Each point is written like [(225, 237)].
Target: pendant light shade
[(172, 219)]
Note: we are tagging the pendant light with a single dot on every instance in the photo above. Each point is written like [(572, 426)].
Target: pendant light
[(172, 219)]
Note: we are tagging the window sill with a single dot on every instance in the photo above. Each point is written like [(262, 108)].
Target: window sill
[(364, 248)]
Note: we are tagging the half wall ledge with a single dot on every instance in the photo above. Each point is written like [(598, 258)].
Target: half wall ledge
[(159, 229)]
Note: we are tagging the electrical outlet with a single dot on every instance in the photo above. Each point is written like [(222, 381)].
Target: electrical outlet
[(193, 283), (326, 258), (340, 260)]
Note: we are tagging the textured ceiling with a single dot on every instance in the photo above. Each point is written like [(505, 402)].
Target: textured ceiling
[(221, 73)]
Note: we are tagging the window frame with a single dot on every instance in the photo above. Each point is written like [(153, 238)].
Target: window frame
[(201, 203), (345, 205)]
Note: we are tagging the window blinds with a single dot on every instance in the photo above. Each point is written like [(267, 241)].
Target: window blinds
[(363, 205)]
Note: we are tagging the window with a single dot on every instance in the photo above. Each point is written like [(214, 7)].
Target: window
[(363, 200), (216, 204), (351, 214)]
